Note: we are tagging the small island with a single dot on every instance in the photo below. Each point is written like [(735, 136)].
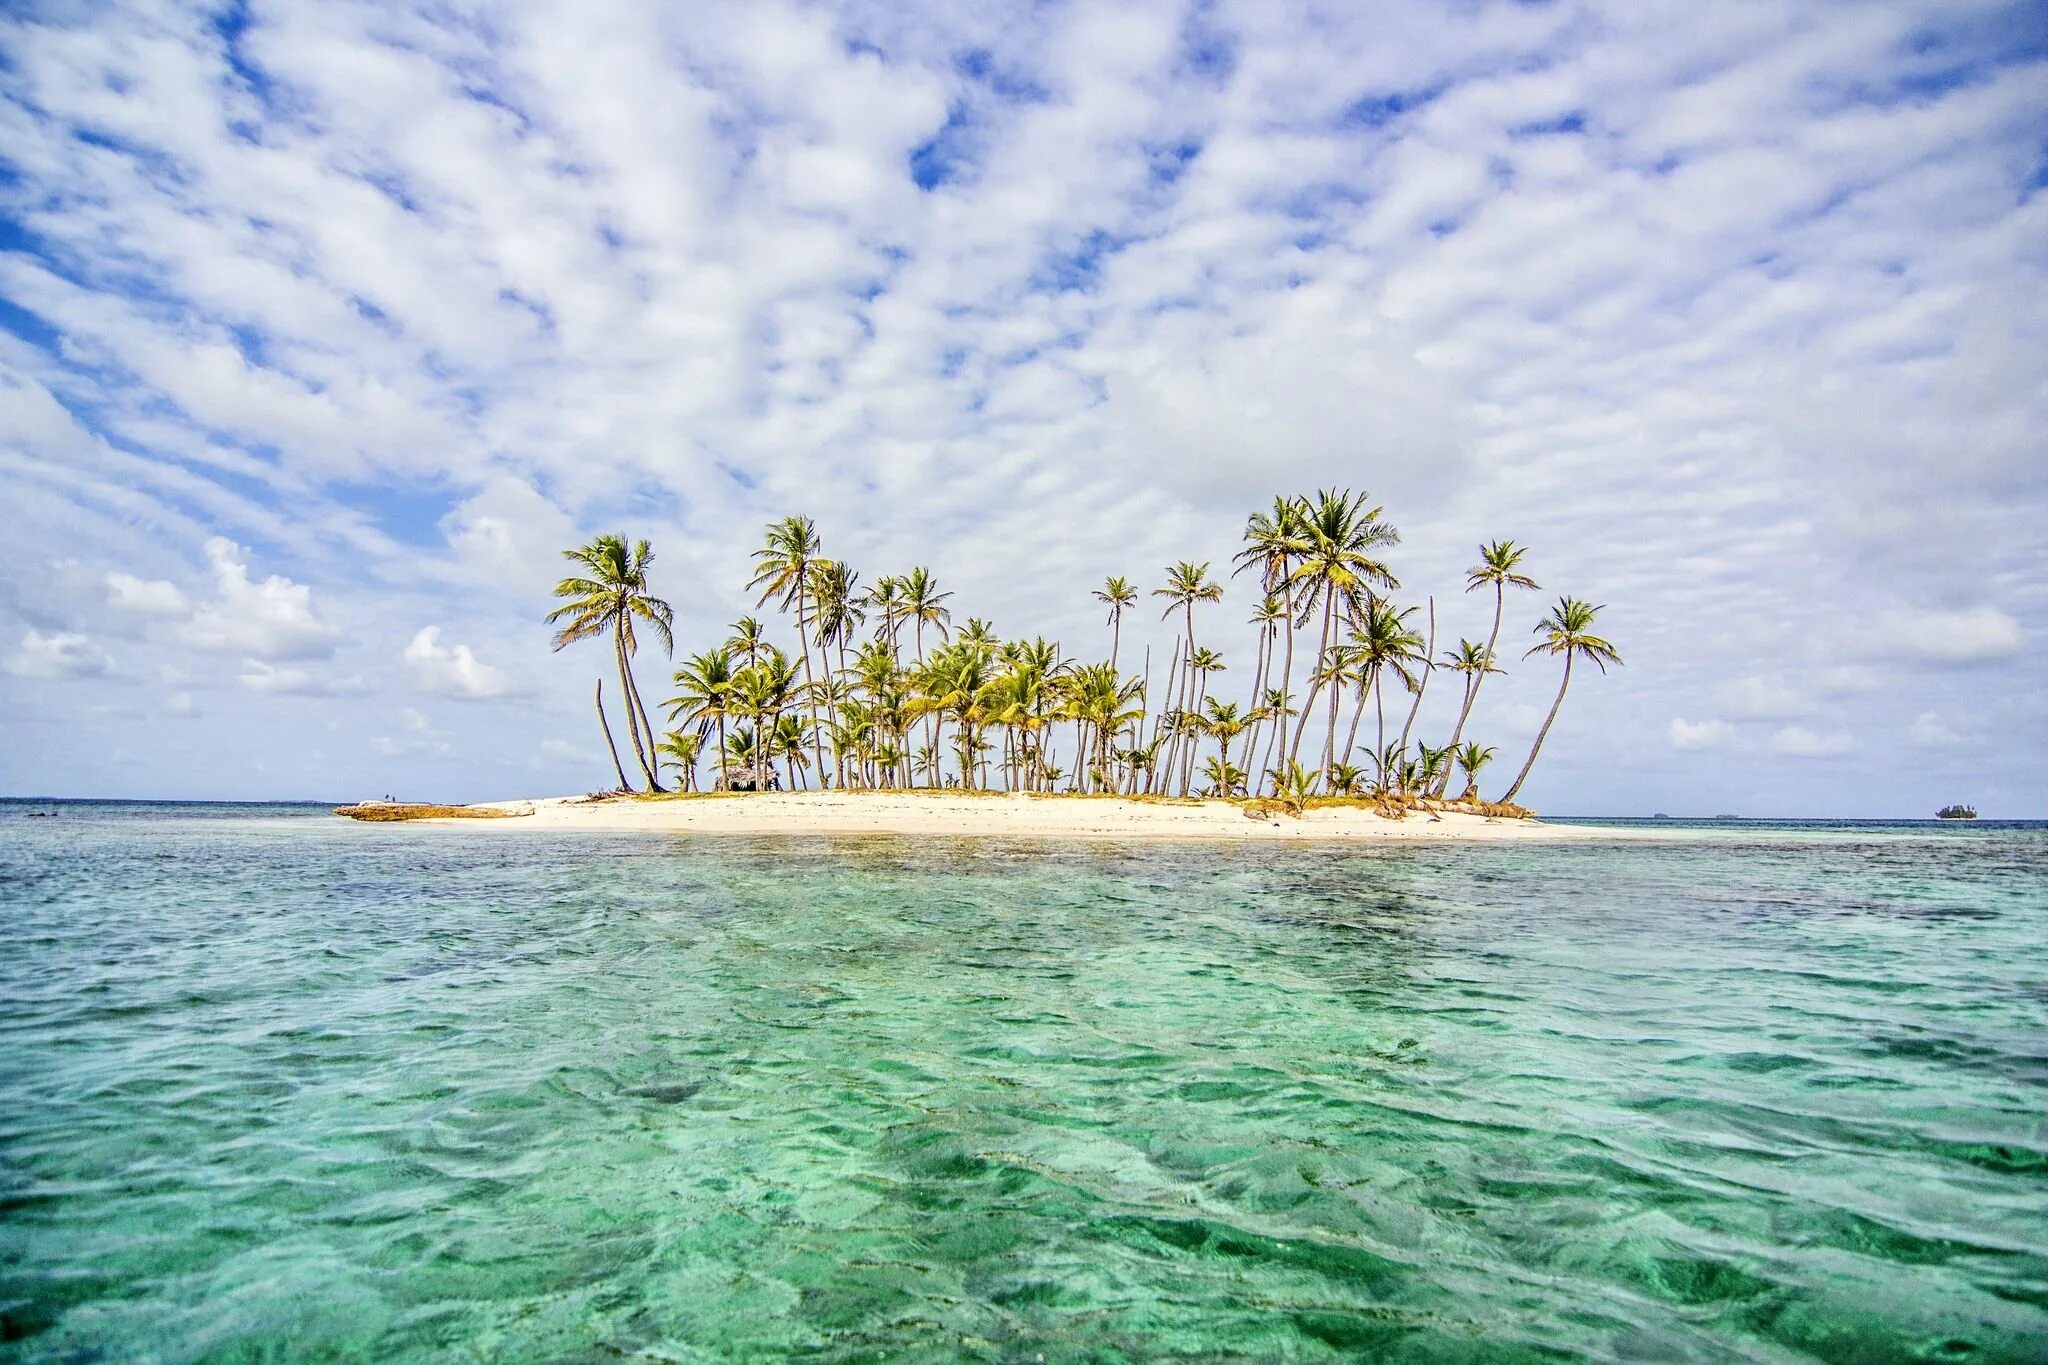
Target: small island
[(891, 716), (1956, 813)]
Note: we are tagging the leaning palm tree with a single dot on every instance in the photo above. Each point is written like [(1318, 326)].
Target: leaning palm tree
[(1568, 630), (681, 748), (606, 599), (1338, 567), (1499, 566), (1117, 593), (782, 569)]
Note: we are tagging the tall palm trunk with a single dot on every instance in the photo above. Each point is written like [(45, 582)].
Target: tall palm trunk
[(632, 719), (1259, 667), (1379, 701), (610, 743), (1428, 672), (1500, 594), (1358, 714), (646, 724), (803, 639), (1286, 678), (1116, 635), (1537, 747), (1330, 731), (1322, 654)]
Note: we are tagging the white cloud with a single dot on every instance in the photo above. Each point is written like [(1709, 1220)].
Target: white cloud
[(1977, 635), (1757, 698), (451, 670), (1932, 730), (1796, 741), (61, 654), (272, 621), (180, 704), (288, 680), (149, 597), (1702, 734)]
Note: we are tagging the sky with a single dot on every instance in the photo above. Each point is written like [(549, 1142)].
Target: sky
[(325, 327)]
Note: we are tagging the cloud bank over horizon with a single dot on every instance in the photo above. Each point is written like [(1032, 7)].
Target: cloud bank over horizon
[(325, 327)]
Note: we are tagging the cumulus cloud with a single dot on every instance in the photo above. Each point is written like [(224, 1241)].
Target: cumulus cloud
[(148, 597), (1700, 734), (1973, 636), (61, 654), (1932, 730), (451, 670), (1796, 741), (271, 621), (287, 680), (1757, 698)]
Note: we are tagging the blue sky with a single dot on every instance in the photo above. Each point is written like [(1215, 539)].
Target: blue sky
[(325, 326)]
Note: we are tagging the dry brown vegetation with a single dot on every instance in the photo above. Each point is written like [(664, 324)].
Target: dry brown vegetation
[(381, 813)]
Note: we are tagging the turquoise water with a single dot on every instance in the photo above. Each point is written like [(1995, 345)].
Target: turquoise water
[(273, 1085)]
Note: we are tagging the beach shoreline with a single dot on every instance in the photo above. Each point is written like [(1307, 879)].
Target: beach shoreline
[(1004, 815)]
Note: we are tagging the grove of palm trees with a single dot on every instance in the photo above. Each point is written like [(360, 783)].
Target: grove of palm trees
[(882, 687)]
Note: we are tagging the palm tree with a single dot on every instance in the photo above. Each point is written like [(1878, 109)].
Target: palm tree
[(1568, 630), (1380, 640), (704, 691), (1471, 758), (749, 637), (782, 569), (681, 748), (1223, 722), (837, 611), (923, 604), (886, 597), (1273, 542), (1500, 566), (1342, 532), (762, 691), (742, 750), (1225, 779), (1118, 594), (1186, 584), (606, 599), (1347, 779)]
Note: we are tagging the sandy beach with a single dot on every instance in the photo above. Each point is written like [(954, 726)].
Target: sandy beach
[(1013, 815)]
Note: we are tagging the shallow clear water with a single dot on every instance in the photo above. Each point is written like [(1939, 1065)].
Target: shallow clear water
[(275, 1085)]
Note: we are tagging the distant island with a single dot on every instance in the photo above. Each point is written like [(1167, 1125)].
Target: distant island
[(1956, 813)]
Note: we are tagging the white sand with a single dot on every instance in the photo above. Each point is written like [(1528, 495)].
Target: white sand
[(1000, 815)]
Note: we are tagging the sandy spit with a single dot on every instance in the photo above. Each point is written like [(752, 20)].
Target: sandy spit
[(1003, 815)]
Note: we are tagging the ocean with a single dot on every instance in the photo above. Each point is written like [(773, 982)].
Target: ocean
[(274, 1085)]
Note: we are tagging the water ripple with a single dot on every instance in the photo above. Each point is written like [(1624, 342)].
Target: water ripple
[(278, 1086)]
